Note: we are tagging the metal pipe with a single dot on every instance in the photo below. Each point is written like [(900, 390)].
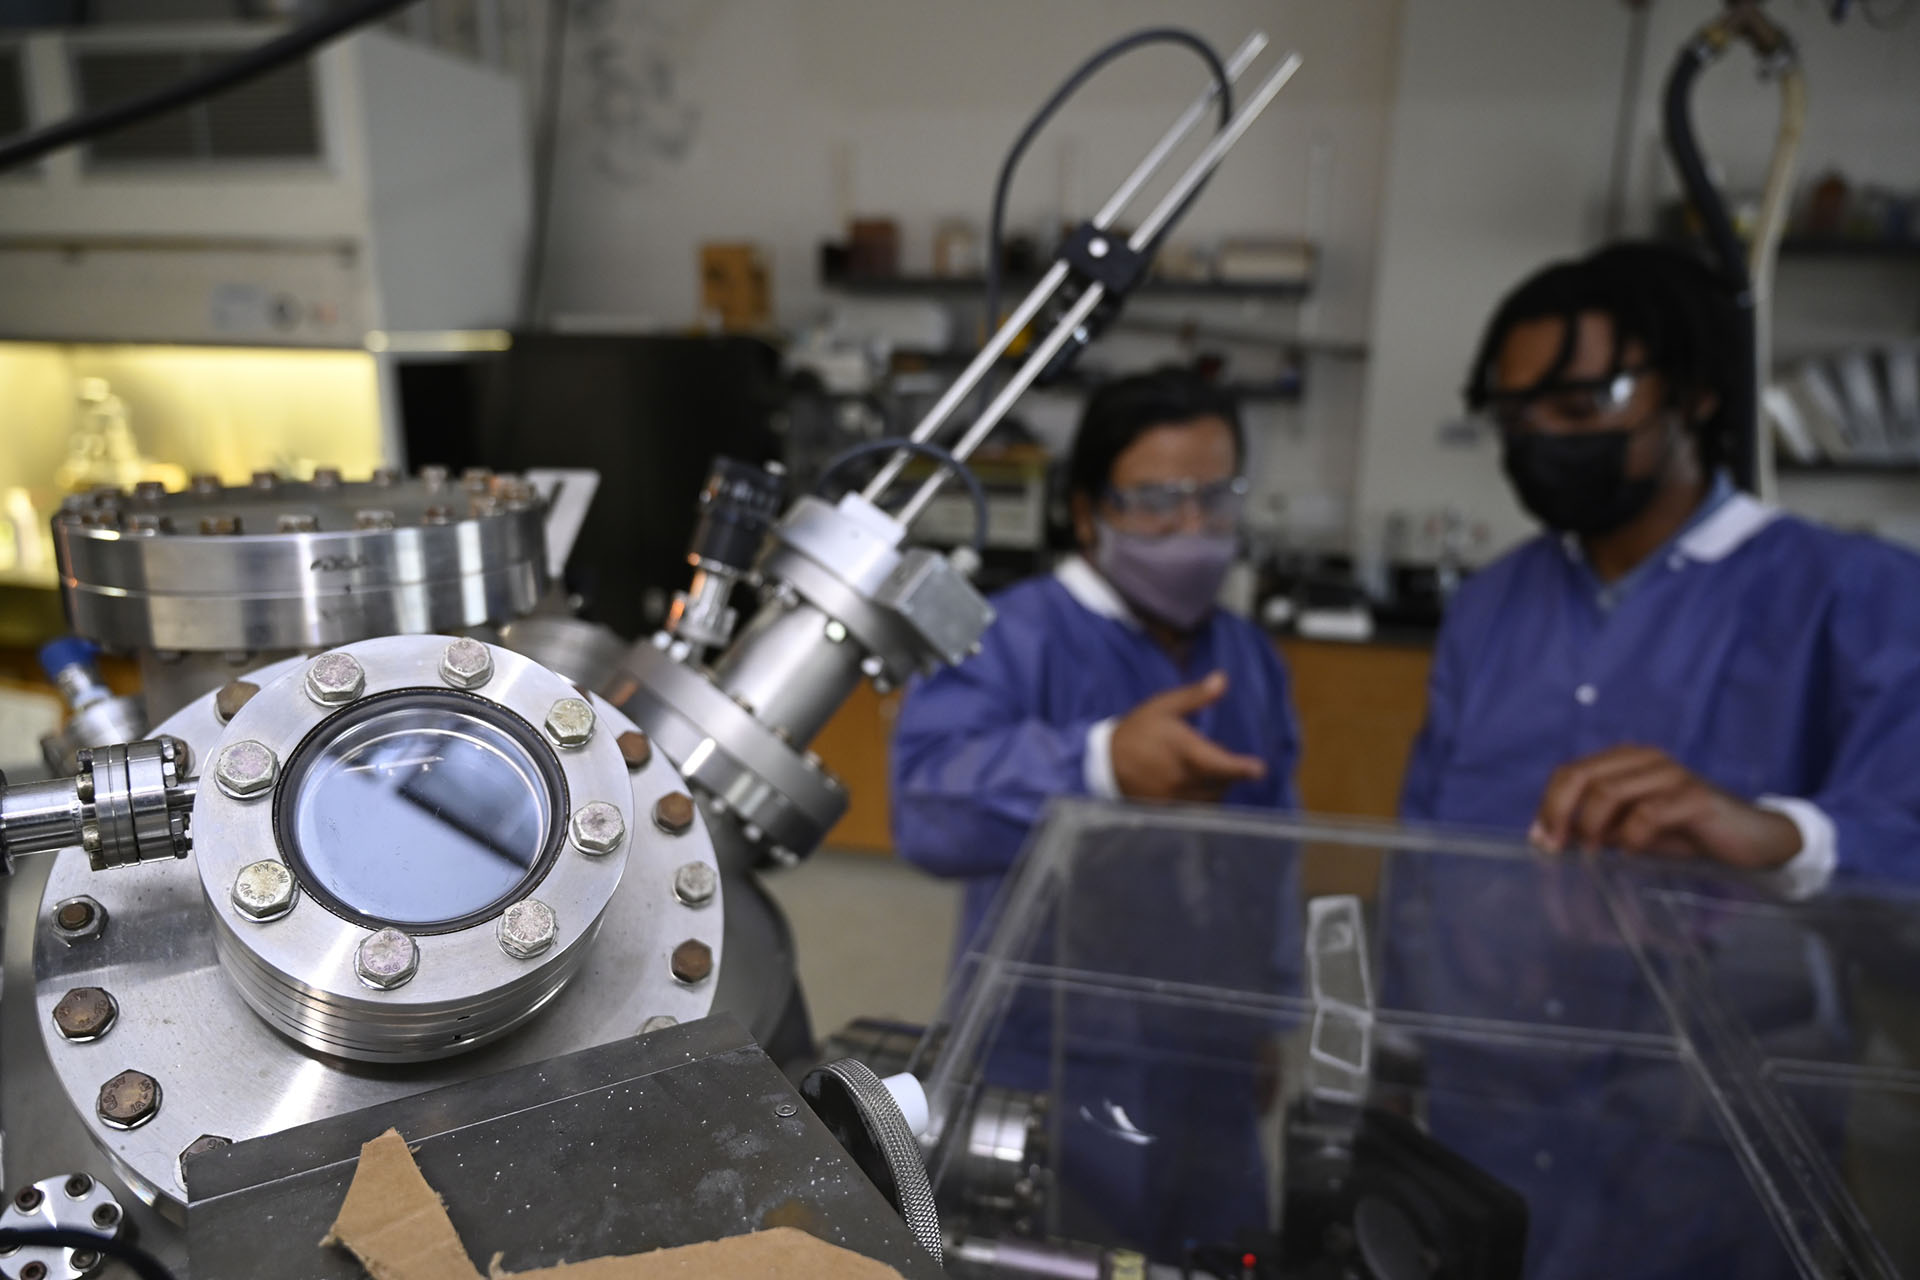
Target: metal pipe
[(1056, 275), (1148, 231), (1766, 247), (37, 817)]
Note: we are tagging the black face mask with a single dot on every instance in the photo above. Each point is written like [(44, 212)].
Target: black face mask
[(1578, 483)]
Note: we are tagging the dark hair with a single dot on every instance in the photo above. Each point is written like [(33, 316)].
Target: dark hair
[(1121, 411), (1663, 297)]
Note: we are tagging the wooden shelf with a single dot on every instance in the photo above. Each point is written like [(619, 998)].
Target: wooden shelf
[(1014, 287)]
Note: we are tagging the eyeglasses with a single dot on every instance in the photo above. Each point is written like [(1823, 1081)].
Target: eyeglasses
[(1160, 506), (1574, 404)]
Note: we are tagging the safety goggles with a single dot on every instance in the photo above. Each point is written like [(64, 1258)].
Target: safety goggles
[(1162, 506), (1576, 404)]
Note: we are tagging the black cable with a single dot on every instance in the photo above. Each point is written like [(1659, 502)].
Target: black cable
[(1125, 44), (27, 147), (1728, 251), (144, 1264), (975, 490), (545, 148)]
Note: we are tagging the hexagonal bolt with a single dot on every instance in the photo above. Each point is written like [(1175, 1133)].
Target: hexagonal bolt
[(467, 664), (85, 1014), (694, 883), (266, 481), (673, 813), (386, 959), (77, 918), (326, 477), (28, 1200), (78, 1186), (570, 722), (204, 1143), (297, 522), (836, 631), (204, 483), (598, 827), (150, 490), (658, 1022), (106, 1217), (233, 695), (438, 513), (527, 928), (149, 522), (334, 679), (386, 477), (635, 749), (264, 890), (872, 667), (245, 769), (433, 476), (373, 518), (219, 526), (128, 1100), (692, 962)]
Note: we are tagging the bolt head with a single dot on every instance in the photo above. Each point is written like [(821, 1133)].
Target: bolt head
[(386, 959), (326, 477), (527, 928), (836, 631), (76, 915), (264, 890), (233, 695), (692, 962), (635, 749), (29, 1199), (570, 722), (245, 768), (598, 827), (694, 884), (85, 1014), (658, 1022), (334, 679), (673, 813), (106, 1216), (128, 1100), (467, 664)]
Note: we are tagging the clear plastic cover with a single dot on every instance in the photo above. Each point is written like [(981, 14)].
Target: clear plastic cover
[(421, 811), (1232, 1036)]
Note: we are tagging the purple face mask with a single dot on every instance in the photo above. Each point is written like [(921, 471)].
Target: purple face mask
[(1171, 578)]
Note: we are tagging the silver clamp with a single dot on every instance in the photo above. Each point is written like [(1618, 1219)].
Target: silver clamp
[(128, 804)]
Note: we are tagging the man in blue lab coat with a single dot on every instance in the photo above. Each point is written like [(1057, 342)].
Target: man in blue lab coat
[(1674, 669), (1116, 676)]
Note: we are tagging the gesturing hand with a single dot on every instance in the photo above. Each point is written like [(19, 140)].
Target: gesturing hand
[(1157, 755)]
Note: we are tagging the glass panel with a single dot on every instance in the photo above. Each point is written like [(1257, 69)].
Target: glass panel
[(1150, 1049), (419, 812)]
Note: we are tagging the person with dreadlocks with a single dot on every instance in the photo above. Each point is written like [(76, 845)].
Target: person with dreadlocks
[(1674, 667)]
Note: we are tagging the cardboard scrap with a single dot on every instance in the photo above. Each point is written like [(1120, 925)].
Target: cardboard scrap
[(394, 1222), (396, 1225)]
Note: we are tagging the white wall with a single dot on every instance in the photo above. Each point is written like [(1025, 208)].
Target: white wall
[(1502, 136), (771, 121)]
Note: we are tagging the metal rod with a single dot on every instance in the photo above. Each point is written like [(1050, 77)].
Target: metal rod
[(1163, 213), (1009, 395), (1056, 275), (1242, 59), (1209, 159)]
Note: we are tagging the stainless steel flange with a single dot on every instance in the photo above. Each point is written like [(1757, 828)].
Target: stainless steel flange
[(377, 747), (220, 1068), (285, 564)]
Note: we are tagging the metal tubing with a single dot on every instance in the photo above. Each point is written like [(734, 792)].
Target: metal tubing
[(38, 817), (1056, 275), (1163, 213)]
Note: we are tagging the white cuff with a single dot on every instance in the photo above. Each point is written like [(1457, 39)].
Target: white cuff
[(1098, 769), (1808, 871)]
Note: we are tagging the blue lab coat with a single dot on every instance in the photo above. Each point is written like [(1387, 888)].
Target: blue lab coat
[(1159, 1103), (979, 749), (1774, 657)]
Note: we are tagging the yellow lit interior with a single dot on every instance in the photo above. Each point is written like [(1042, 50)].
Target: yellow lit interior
[(230, 411)]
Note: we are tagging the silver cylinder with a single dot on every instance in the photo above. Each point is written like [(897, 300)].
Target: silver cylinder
[(792, 668), (38, 817)]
